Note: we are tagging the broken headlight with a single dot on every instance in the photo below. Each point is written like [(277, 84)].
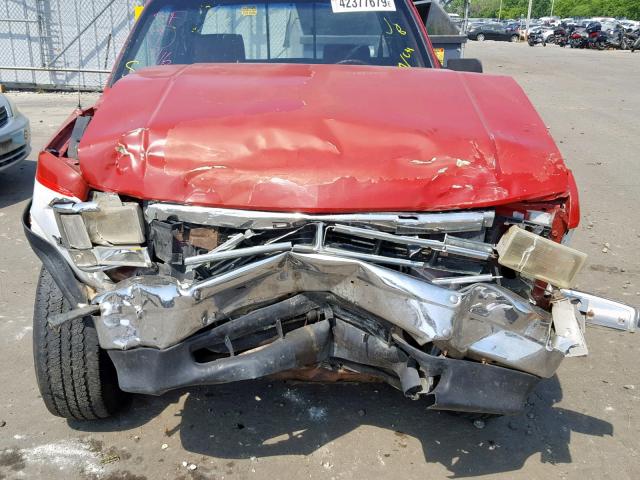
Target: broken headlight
[(104, 232), (540, 258)]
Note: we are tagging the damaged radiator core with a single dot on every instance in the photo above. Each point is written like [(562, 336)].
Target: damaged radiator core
[(397, 241)]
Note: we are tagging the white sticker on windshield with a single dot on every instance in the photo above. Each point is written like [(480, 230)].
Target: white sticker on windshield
[(344, 6)]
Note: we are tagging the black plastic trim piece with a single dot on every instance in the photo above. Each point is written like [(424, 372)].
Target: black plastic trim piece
[(79, 128), (472, 65), (54, 262), (462, 385), (154, 372)]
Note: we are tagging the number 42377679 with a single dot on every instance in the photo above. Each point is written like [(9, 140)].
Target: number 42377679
[(362, 5)]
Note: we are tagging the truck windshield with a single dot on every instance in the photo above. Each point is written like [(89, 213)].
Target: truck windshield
[(356, 32)]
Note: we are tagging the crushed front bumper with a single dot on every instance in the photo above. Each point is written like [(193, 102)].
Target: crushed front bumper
[(483, 322), (453, 384), (480, 348)]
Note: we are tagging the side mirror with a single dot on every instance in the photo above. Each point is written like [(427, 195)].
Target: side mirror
[(465, 65)]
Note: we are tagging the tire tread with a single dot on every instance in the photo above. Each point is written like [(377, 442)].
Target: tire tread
[(75, 377)]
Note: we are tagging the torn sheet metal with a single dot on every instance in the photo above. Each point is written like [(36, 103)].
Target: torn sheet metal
[(496, 324), (307, 149), (569, 327), (158, 312)]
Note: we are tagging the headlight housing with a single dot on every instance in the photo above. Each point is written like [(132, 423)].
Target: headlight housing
[(104, 232), (540, 258), (13, 108)]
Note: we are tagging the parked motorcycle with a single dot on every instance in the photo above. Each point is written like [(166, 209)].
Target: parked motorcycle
[(578, 39), (596, 38), (617, 38), (633, 39), (589, 37), (560, 37)]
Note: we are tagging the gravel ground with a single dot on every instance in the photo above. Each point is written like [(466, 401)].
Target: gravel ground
[(582, 423)]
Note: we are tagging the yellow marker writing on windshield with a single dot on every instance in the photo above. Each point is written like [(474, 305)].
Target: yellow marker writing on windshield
[(129, 65), (405, 56), (397, 27)]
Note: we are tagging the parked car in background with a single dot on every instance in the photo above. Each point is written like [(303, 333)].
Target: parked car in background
[(543, 33), (492, 31), (15, 134), (512, 25), (630, 25), (536, 37)]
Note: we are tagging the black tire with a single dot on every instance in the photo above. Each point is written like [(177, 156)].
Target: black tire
[(76, 378), (514, 38), (480, 37)]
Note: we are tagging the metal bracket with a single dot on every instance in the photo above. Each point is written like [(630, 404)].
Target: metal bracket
[(61, 318), (605, 312)]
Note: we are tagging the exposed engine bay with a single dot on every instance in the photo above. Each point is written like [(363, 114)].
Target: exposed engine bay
[(469, 309)]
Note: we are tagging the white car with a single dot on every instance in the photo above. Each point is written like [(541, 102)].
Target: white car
[(15, 134), (547, 32), (630, 25)]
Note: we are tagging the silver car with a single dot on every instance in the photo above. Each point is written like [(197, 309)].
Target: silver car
[(15, 134)]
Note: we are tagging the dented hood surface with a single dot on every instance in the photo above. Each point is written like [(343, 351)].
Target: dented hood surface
[(320, 138)]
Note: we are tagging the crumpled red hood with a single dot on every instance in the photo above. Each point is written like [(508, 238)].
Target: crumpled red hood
[(320, 138)]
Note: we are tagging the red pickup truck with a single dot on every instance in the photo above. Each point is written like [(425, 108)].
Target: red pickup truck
[(298, 188)]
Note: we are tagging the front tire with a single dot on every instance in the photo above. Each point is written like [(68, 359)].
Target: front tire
[(514, 38), (480, 37), (75, 376)]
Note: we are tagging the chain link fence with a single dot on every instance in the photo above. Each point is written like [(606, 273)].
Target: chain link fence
[(63, 44)]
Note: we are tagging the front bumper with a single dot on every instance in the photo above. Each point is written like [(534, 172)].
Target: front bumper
[(481, 348), (15, 139), (329, 342), (484, 322), (455, 384)]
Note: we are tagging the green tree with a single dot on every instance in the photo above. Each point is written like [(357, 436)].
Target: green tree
[(541, 8)]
